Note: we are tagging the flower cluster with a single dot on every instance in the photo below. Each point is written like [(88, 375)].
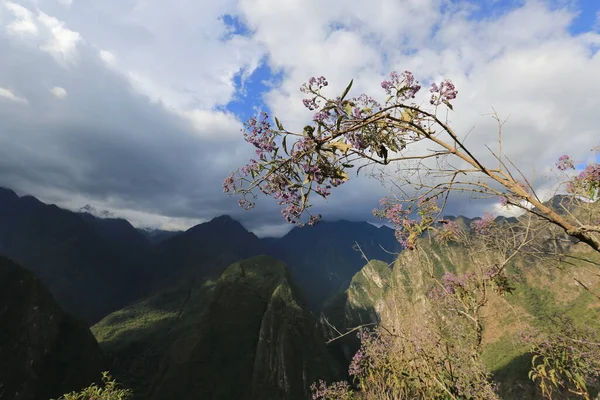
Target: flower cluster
[(229, 184), (403, 86), (259, 133), (442, 93), (358, 363), (313, 86), (394, 213), (587, 182), (483, 225), (280, 178), (373, 347), (292, 166), (337, 391), (564, 163), (454, 284), (449, 231)]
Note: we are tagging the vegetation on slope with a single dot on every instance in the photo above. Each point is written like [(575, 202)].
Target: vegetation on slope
[(44, 351), (544, 293), (249, 327)]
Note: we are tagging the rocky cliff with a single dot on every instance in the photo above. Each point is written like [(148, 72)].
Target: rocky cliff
[(44, 352), (247, 335)]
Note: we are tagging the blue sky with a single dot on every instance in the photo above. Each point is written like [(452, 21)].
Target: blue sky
[(587, 18), (136, 107)]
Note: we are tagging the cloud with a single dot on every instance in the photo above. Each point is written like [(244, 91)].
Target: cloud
[(59, 92), (8, 94), (148, 130), (62, 42), (23, 22), (524, 62), (216, 125), (109, 143), (107, 57)]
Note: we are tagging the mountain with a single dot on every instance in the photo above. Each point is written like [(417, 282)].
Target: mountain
[(245, 335), (156, 236), (117, 232), (94, 266), (88, 273), (323, 258), (543, 288), (356, 306), (44, 352), (204, 250)]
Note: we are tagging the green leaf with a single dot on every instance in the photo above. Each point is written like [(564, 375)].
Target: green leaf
[(284, 144), (449, 105), (347, 89), (579, 379), (279, 126), (339, 121)]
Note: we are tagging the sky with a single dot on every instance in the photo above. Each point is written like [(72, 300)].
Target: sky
[(136, 106)]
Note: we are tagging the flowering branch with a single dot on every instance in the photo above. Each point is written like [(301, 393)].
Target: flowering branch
[(345, 130)]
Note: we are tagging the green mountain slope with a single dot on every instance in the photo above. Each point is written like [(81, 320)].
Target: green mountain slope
[(379, 294), (323, 258), (247, 335), (44, 352)]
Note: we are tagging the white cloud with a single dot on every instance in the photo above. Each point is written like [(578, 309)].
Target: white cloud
[(160, 106), (23, 22), (108, 57), (525, 64), (62, 42), (8, 94), (59, 92), (214, 124), (181, 53), (65, 3)]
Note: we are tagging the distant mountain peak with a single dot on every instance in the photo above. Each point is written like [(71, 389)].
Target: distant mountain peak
[(88, 209), (7, 191), (226, 218)]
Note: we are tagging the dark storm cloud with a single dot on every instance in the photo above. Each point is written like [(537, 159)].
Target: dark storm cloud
[(104, 140)]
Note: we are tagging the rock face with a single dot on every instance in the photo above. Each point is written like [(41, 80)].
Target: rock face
[(256, 341), (323, 258), (246, 335), (394, 297), (44, 352)]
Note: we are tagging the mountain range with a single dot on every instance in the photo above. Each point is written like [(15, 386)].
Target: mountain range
[(216, 312), (94, 266)]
